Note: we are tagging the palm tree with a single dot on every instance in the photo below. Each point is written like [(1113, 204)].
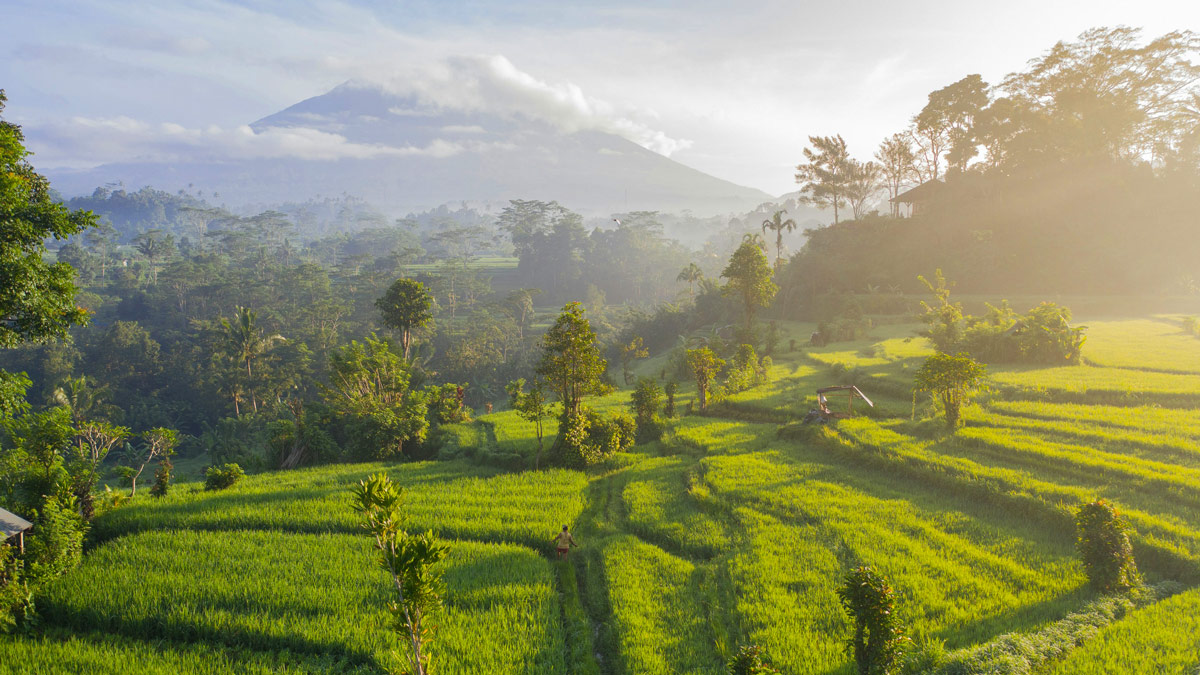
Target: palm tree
[(79, 397), (691, 274), (778, 225), (245, 342)]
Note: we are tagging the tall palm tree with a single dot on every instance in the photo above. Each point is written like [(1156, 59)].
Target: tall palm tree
[(778, 225), (691, 274), (245, 342)]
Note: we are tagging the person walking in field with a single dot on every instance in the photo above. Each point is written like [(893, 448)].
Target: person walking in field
[(565, 542)]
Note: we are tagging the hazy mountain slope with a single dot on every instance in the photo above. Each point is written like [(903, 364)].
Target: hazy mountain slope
[(428, 157)]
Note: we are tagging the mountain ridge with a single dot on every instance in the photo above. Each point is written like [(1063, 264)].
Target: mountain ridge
[(413, 156)]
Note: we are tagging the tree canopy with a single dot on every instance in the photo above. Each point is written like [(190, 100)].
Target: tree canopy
[(37, 299)]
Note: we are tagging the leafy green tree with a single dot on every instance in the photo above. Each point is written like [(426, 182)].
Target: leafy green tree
[(532, 406), (369, 383), (406, 306), (631, 352), (778, 225), (37, 299), (878, 641), (823, 176), (571, 361), (951, 381), (691, 275), (749, 277), (412, 561), (704, 365), (1103, 543)]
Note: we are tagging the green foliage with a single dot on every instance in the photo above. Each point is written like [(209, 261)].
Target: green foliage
[(446, 403), (38, 298), (704, 365), (56, 544), (588, 437), (156, 443), (15, 598), (950, 380), (745, 370), (406, 307), (533, 407), (749, 661), (1103, 542), (670, 390), (647, 400), (944, 318), (162, 478), (222, 477), (412, 560), (878, 642), (571, 363), (749, 276), (369, 383)]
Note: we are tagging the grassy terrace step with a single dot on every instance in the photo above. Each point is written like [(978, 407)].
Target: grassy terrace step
[(457, 499), (317, 595), (57, 651), (1161, 639), (1164, 542)]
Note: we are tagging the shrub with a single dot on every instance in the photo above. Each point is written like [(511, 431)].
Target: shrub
[(56, 543), (446, 403), (647, 400), (878, 642), (162, 478), (950, 380), (588, 438), (222, 477), (1103, 543), (15, 599), (671, 390), (749, 661)]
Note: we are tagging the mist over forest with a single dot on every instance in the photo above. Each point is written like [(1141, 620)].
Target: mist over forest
[(521, 392)]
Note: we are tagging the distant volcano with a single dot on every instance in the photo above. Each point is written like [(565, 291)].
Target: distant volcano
[(409, 157)]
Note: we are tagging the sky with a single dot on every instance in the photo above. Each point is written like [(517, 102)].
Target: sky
[(732, 89)]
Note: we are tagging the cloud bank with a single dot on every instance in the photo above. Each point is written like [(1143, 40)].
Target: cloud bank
[(492, 84), (103, 140)]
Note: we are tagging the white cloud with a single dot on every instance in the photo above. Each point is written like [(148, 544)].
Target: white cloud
[(492, 84), (98, 140)]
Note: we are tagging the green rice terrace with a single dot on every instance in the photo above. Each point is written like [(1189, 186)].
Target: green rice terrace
[(738, 527)]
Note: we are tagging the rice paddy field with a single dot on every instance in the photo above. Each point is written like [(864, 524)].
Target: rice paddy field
[(736, 528)]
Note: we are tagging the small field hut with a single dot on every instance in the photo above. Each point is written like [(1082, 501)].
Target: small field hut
[(12, 525)]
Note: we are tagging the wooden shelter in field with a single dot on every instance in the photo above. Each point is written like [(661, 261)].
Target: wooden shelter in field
[(918, 198), (12, 525)]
